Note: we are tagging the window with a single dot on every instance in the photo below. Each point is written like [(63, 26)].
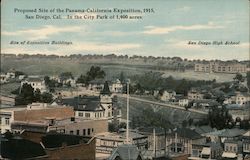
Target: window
[(71, 132), (80, 114), (0, 120), (7, 121), (234, 149), (77, 132), (92, 129), (84, 132), (87, 114), (231, 148), (88, 131), (226, 148)]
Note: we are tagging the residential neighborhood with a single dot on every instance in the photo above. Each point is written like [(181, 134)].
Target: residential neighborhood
[(85, 117)]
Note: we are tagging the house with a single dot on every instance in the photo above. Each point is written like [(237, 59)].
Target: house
[(166, 95), (93, 107), (183, 102), (156, 140), (182, 139), (238, 113), (231, 134), (239, 98), (3, 78), (208, 150), (204, 103), (196, 94), (246, 145), (11, 74), (69, 81), (96, 85), (36, 83), (126, 152), (242, 98), (232, 149), (116, 86), (7, 117)]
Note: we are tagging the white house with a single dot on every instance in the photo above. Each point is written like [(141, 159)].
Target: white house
[(36, 83), (116, 86), (3, 78), (7, 117), (240, 98), (195, 95), (183, 102), (166, 95)]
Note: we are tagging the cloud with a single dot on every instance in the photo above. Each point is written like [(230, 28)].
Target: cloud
[(44, 32), (152, 30)]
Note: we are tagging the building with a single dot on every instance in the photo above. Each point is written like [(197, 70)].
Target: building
[(196, 94), (183, 102), (7, 100), (232, 149), (182, 140), (34, 145), (3, 78), (96, 85), (220, 67), (107, 142), (246, 145), (36, 112), (126, 152), (93, 107), (15, 147), (166, 95), (116, 86), (7, 117), (36, 83), (63, 146)]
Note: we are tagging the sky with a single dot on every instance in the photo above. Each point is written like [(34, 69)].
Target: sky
[(166, 32)]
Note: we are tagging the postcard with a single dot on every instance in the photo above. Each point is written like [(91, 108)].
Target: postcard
[(123, 79)]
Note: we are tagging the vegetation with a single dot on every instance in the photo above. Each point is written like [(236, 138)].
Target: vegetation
[(219, 118), (27, 95), (51, 83), (93, 73), (152, 80)]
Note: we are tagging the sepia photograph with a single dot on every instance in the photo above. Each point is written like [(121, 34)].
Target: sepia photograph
[(125, 80)]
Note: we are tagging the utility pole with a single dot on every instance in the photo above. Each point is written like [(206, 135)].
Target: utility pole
[(127, 128)]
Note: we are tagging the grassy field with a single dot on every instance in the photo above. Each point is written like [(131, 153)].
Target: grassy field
[(55, 67)]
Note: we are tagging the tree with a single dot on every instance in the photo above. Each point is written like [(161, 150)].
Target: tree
[(81, 79), (46, 97), (122, 77), (26, 95), (95, 72), (219, 117), (37, 95), (66, 75), (239, 77)]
